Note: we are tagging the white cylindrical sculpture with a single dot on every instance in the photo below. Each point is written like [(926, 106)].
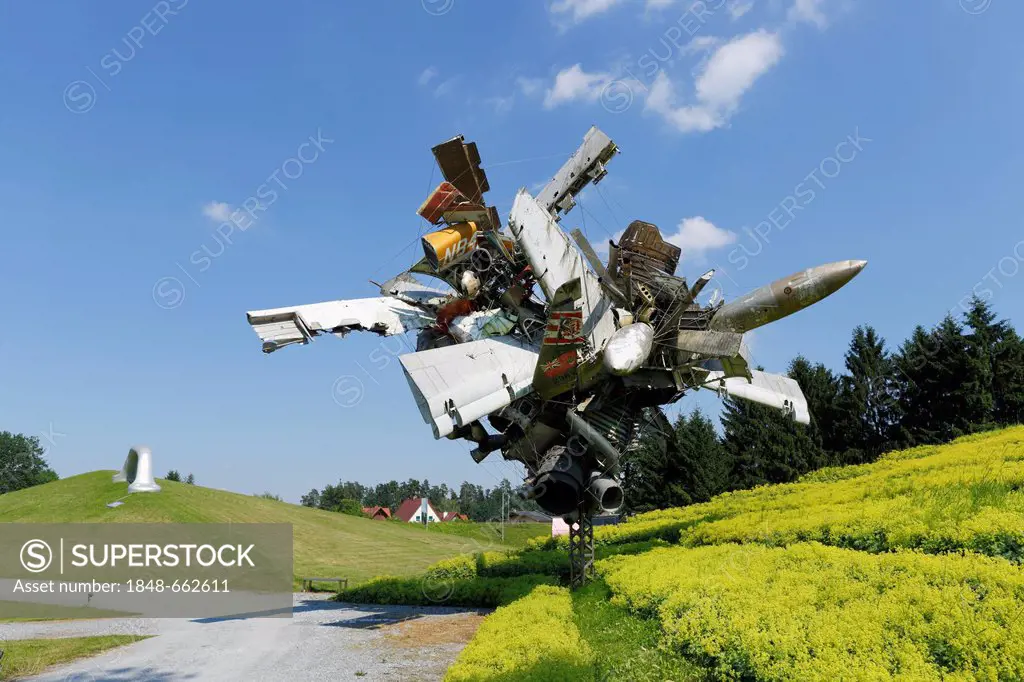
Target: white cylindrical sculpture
[(138, 471)]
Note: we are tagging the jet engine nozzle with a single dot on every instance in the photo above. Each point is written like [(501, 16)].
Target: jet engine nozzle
[(606, 493), (558, 486)]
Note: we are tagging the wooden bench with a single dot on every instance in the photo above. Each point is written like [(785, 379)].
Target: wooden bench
[(307, 583)]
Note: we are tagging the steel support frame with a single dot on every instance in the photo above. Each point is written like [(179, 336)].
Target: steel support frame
[(581, 550)]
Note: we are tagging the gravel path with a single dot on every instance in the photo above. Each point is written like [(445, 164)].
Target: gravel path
[(322, 641)]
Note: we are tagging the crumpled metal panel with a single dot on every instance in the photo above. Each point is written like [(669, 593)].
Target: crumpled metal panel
[(481, 324), (456, 385), (459, 162), (555, 260), (772, 390), (279, 327)]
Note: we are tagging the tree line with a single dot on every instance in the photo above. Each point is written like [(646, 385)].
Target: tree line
[(959, 377), (475, 501)]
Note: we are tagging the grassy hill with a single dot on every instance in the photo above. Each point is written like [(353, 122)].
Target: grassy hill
[(906, 568), (325, 543)]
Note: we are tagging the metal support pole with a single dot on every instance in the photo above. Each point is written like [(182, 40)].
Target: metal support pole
[(581, 549)]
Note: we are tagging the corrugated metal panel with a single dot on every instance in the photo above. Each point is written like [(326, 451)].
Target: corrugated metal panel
[(709, 343)]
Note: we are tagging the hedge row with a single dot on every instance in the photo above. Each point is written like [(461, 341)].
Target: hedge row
[(443, 591), (533, 638), (554, 562), (812, 612), (968, 495)]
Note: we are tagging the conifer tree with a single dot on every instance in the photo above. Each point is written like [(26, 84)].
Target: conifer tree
[(821, 389), (867, 401), (766, 446), (980, 343), (1008, 379), (701, 449)]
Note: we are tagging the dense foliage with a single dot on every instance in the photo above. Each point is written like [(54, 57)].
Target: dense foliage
[(22, 464), (811, 612), (958, 378)]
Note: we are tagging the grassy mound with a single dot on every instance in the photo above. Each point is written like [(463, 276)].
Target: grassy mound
[(325, 543)]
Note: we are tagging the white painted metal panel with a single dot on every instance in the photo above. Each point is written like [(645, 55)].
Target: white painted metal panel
[(298, 324), (555, 260), (772, 390), (456, 385)]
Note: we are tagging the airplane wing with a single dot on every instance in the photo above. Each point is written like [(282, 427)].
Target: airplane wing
[(555, 260), (384, 315), (456, 385), (772, 390)]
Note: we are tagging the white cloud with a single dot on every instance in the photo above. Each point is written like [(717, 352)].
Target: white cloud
[(218, 211), (428, 74), (445, 86), (737, 8), (530, 86), (808, 11), (697, 235), (735, 66), (578, 10), (574, 83), (720, 84), (700, 44), (502, 105)]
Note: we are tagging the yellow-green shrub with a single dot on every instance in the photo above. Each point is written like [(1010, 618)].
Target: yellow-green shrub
[(812, 612), (462, 567), (533, 638), (965, 495)]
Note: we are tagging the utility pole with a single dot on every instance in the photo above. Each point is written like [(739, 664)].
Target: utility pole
[(506, 509)]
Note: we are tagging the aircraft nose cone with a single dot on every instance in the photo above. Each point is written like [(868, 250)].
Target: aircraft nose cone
[(835, 275)]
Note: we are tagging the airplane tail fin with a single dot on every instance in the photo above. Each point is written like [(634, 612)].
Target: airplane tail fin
[(557, 365)]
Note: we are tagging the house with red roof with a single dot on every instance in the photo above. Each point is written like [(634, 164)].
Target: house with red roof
[(377, 513), (417, 510), (453, 516)]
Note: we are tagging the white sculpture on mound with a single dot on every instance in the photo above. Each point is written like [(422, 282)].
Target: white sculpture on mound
[(138, 471)]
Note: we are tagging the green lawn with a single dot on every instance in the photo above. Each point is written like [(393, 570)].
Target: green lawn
[(325, 543), (32, 656)]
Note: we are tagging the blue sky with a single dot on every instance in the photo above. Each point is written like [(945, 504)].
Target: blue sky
[(129, 131)]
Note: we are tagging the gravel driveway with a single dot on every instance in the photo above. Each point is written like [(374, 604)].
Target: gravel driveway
[(323, 640)]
